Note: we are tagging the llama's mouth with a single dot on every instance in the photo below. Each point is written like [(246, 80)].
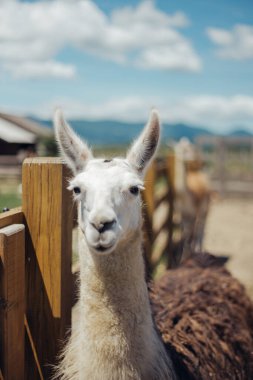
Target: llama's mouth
[(103, 249)]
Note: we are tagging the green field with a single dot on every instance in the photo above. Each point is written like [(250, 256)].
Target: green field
[(10, 200), (10, 193)]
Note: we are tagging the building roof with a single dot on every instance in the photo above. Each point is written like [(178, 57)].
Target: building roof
[(17, 129)]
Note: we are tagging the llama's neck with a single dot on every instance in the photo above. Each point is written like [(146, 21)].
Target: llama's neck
[(116, 279), (119, 339)]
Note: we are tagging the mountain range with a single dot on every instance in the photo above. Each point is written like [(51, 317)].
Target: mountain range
[(109, 132)]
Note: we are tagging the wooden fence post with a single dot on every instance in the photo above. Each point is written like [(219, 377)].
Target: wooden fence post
[(149, 190), (148, 210), (48, 212), (171, 173), (221, 157), (12, 302), (171, 170)]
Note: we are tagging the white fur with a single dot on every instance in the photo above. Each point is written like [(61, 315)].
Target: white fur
[(194, 192), (115, 338)]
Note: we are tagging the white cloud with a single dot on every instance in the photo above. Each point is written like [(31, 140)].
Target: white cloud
[(131, 108), (177, 57), (41, 69), (215, 112), (146, 13), (235, 44), (143, 35)]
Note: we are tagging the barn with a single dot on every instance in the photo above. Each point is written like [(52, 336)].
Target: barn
[(19, 138)]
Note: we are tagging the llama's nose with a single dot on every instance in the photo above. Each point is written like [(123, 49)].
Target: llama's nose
[(103, 226), (102, 219)]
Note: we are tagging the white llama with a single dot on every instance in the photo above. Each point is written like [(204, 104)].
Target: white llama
[(194, 192), (115, 338)]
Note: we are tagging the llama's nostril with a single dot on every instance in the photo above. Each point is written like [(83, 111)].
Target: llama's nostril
[(102, 227), (94, 225)]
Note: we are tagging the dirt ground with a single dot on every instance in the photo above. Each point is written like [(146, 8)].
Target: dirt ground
[(229, 231)]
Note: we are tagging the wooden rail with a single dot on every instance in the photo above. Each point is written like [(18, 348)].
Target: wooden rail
[(14, 216)]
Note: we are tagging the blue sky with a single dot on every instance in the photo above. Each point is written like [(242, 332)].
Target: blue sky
[(191, 59)]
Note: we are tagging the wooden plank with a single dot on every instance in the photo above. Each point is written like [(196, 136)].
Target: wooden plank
[(148, 194), (48, 211), (34, 370), (159, 249), (221, 164), (148, 209), (171, 170), (163, 197), (171, 176), (162, 227), (12, 293), (161, 167), (14, 216)]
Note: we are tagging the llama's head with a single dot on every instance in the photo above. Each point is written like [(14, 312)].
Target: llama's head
[(108, 191)]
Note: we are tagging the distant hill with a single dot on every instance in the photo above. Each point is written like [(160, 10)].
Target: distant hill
[(241, 133), (177, 131), (109, 132)]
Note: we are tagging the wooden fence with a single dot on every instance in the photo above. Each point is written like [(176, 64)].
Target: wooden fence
[(229, 163), (36, 281), (158, 213)]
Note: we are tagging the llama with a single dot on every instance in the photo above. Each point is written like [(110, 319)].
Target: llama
[(115, 337), (194, 194)]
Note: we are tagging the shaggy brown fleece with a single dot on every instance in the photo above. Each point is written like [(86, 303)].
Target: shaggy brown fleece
[(206, 320)]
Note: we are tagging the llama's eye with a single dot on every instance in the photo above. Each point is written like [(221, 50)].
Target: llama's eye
[(134, 190), (77, 190)]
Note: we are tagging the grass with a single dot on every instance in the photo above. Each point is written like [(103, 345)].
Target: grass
[(10, 192), (9, 200)]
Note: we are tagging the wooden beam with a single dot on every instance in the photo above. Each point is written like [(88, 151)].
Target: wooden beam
[(148, 194), (148, 210), (14, 216), (171, 177), (48, 212), (171, 170), (12, 301)]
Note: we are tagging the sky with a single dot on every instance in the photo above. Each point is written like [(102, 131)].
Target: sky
[(108, 59)]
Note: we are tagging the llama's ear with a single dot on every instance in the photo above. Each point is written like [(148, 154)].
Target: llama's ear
[(74, 151), (143, 149)]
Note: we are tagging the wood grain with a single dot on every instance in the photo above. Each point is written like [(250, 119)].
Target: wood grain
[(48, 212), (14, 216), (171, 176), (148, 194), (171, 170), (147, 211), (12, 293)]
